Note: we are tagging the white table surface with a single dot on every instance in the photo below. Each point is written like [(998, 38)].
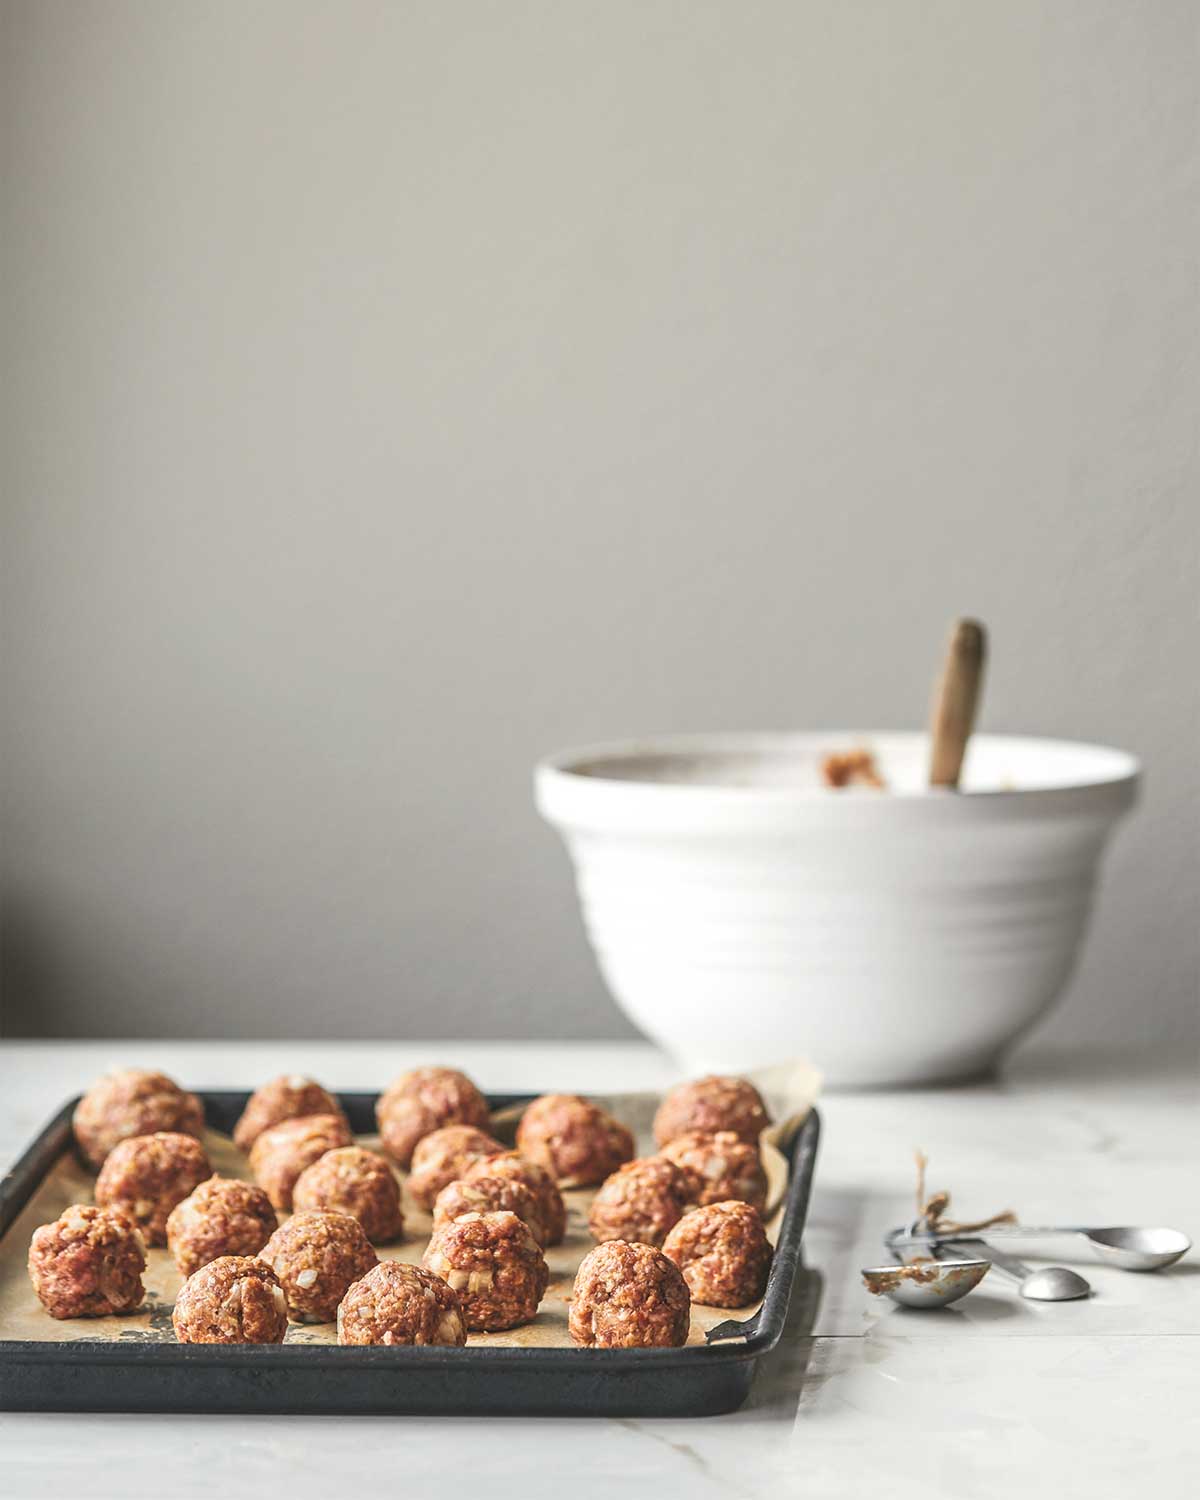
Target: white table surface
[(995, 1397)]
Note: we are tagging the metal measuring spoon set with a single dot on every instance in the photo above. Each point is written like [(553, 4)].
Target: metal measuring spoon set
[(953, 1265)]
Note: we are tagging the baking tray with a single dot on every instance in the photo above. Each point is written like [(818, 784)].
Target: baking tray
[(82, 1375)]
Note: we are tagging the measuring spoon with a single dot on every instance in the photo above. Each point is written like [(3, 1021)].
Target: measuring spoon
[(931, 1283), (1049, 1284)]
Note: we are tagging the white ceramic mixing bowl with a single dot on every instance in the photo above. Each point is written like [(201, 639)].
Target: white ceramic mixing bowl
[(742, 913)]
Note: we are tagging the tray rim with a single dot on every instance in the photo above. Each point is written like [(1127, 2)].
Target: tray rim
[(18, 1185)]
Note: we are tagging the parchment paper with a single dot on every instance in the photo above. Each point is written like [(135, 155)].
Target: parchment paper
[(790, 1091)]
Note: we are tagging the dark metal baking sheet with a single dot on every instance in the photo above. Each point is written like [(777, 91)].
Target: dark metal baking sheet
[(299, 1378)]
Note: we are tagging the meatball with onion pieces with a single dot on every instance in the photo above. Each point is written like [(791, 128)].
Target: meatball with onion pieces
[(353, 1181), (445, 1155), (723, 1253), (489, 1195), (712, 1104), (281, 1153), (496, 1267), (552, 1211), (576, 1141), (235, 1299), (317, 1258), (132, 1102), (425, 1100), (287, 1098), (629, 1297), (399, 1304), (147, 1175), (222, 1217), (88, 1263), (640, 1202), (718, 1167)]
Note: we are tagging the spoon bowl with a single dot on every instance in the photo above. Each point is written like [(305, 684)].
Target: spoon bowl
[(1135, 1249), (1054, 1284), (926, 1284)]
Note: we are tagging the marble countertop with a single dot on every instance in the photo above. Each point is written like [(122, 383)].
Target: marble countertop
[(992, 1397)]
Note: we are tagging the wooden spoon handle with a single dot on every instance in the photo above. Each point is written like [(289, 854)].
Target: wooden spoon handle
[(955, 702)]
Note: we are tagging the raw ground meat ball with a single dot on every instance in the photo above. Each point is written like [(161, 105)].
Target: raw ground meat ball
[(235, 1299), (489, 1195), (640, 1202), (420, 1102), (629, 1297), (494, 1264), (719, 1167), (445, 1155), (575, 1140), (222, 1217), (712, 1104), (88, 1263), (517, 1168), (317, 1257), (355, 1182), (399, 1304), (147, 1175), (723, 1252), (286, 1098), (280, 1154), (129, 1103)]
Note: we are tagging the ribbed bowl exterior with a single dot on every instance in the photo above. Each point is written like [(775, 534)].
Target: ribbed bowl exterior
[(890, 943)]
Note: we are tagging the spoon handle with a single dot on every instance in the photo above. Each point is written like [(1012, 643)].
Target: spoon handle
[(955, 702), (981, 1250), (1000, 1231), (1034, 1231)]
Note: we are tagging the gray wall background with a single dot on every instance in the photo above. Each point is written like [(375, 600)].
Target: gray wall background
[(394, 392)]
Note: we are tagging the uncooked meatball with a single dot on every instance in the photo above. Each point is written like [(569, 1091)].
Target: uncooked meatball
[(222, 1217), (420, 1102), (147, 1175), (88, 1263), (712, 1104), (494, 1264), (281, 1153), (640, 1202), (723, 1252), (517, 1168), (629, 1297), (719, 1167), (355, 1182), (286, 1098), (235, 1299), (399, 1304), (132, 1102), (444, 1155), (317, 1257), (575, 1140), (489, 1195)]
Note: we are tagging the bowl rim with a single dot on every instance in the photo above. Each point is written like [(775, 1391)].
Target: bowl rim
[(566, 769)]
